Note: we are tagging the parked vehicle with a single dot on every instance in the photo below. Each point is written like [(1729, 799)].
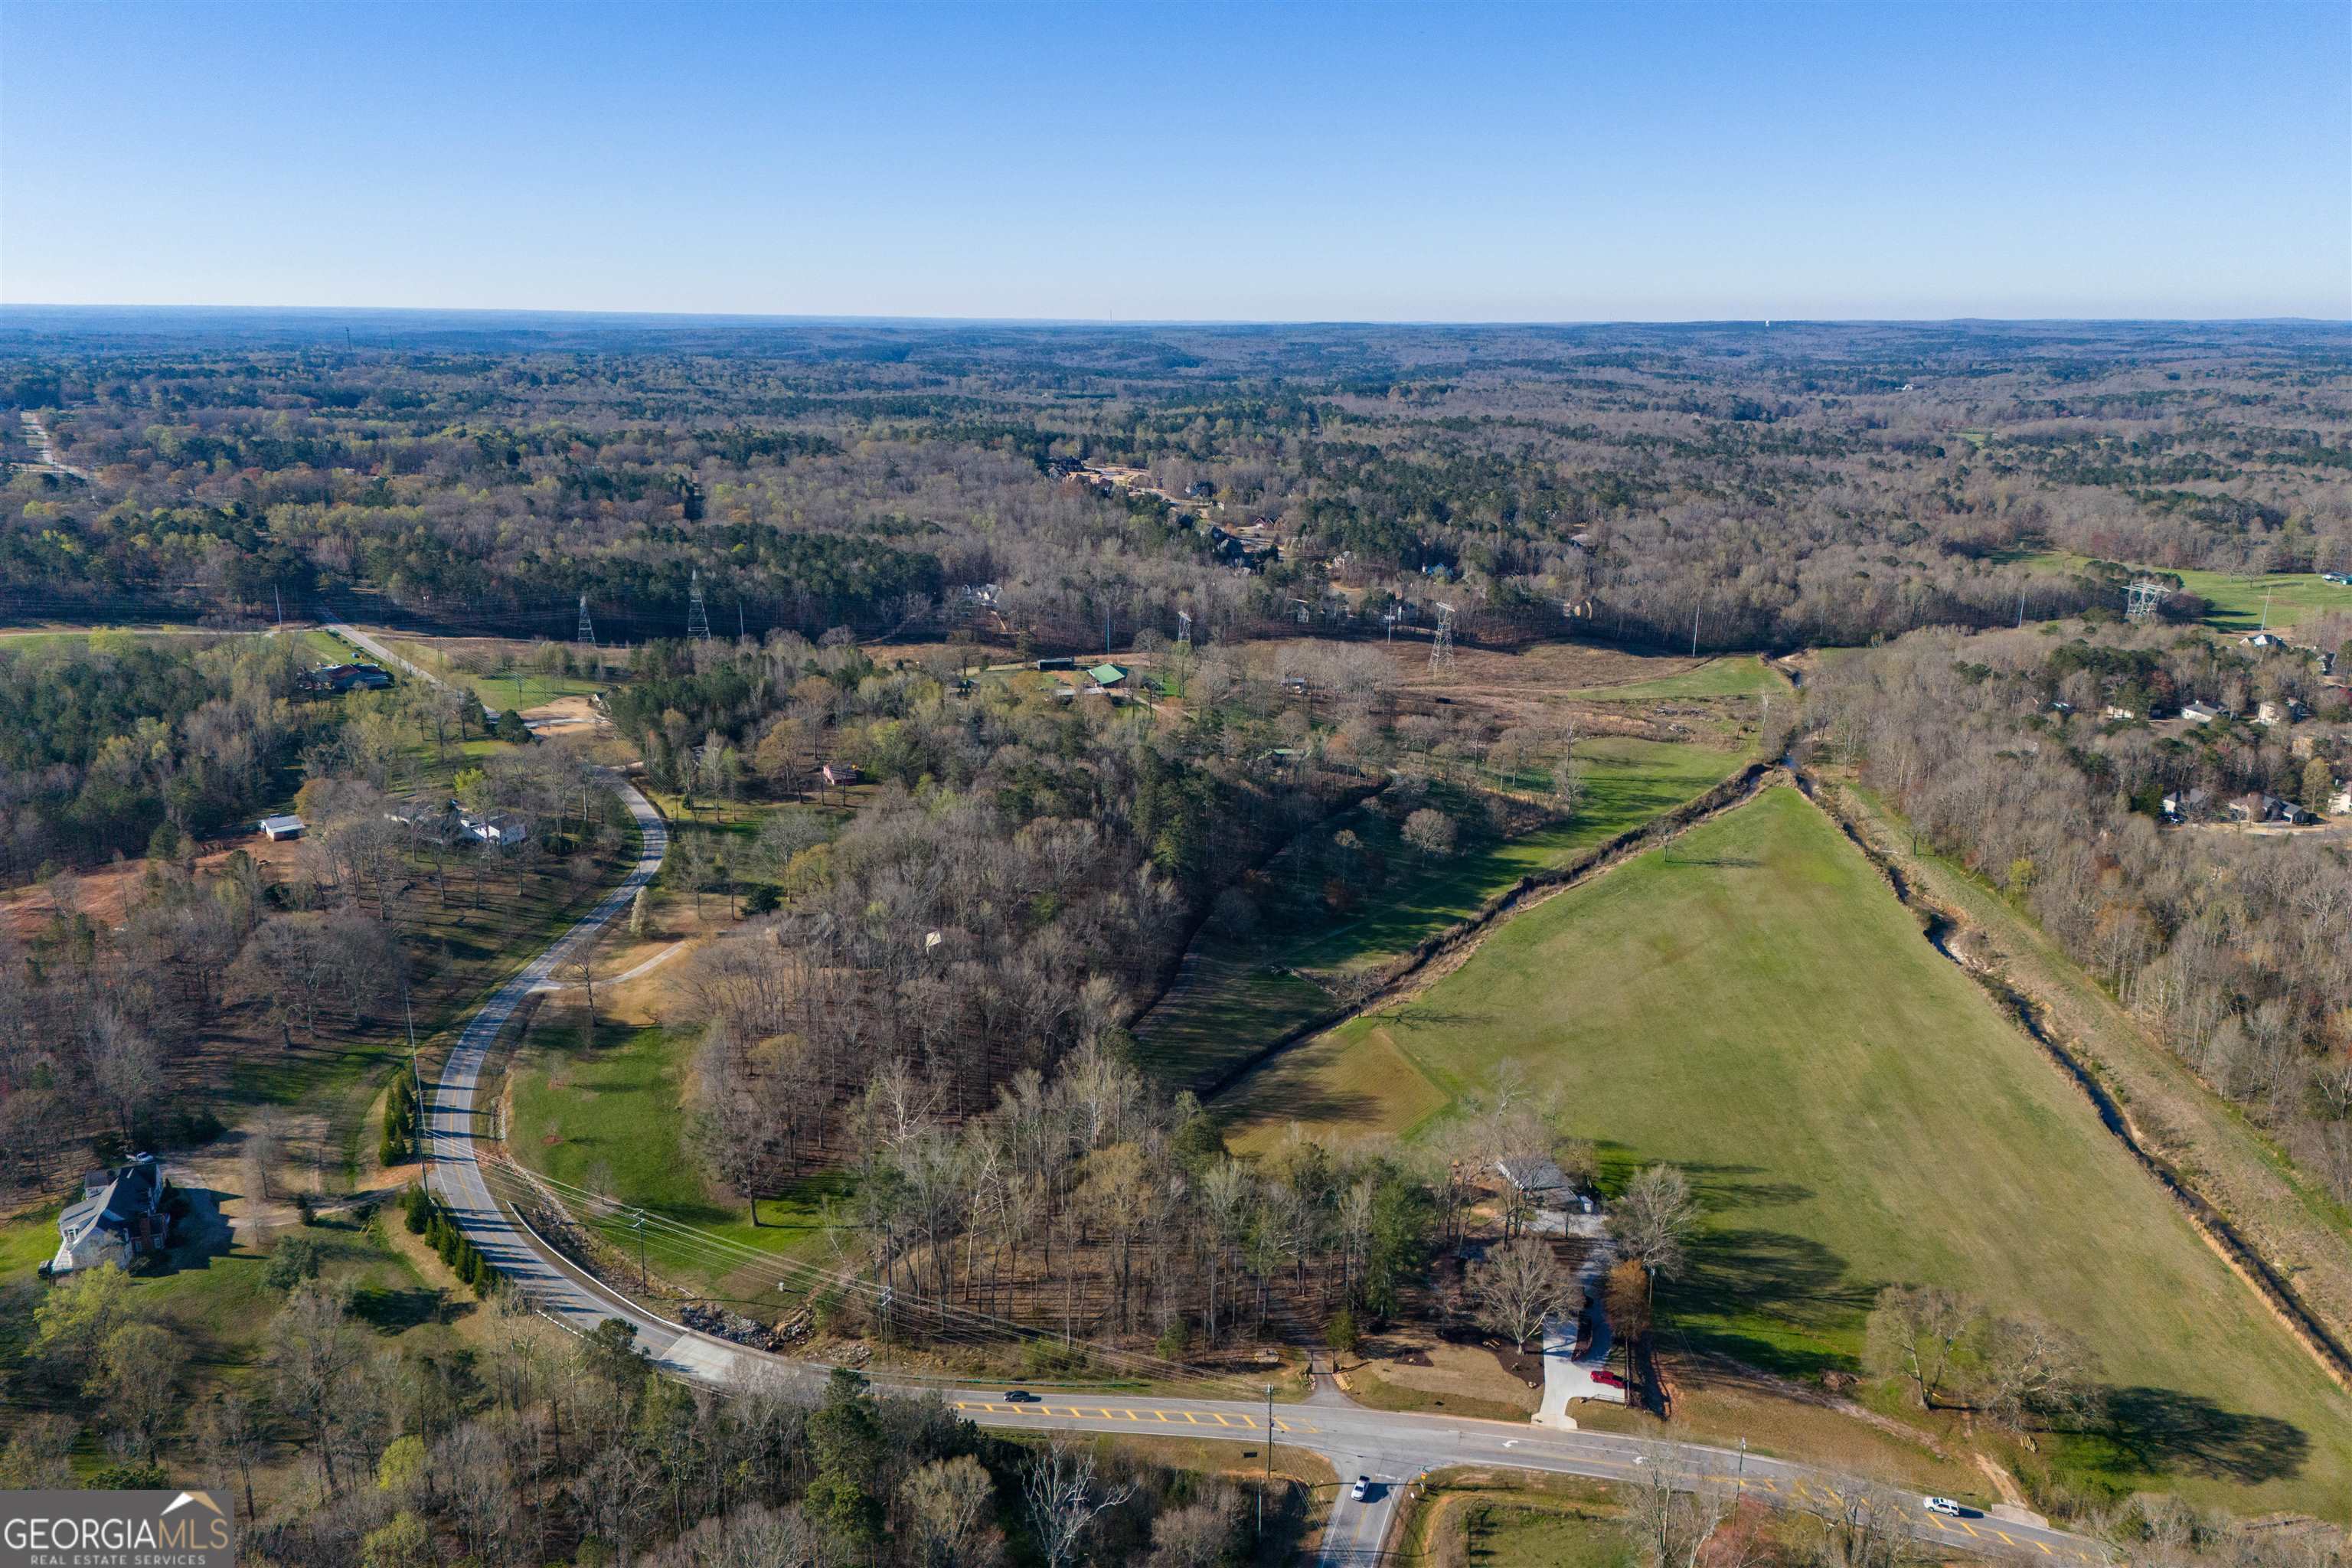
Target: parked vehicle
[(1607, 1379)]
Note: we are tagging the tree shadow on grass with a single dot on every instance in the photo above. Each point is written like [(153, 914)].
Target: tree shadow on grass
[(2164, 1431), (1749, 1274), (1302, 1099), (394, 1311)]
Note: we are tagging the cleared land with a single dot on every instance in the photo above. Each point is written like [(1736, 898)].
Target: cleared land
[(2238, 601), (1752, 1004), (2275, 1205), (613, 1118), (498, 670), (1243, 991), (1745, 676)]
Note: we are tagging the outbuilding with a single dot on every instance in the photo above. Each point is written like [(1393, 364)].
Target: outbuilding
[(275, 828)]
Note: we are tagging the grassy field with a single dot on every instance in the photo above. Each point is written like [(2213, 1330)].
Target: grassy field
[(1752, 1004), (471, 664), (1243, 991), (1743, 675), (612, 1120), (2239, 601), (1475, 1517)]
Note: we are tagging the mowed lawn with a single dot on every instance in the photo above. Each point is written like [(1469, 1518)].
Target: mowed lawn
[(612, 1120), (1753, 1005), (1242, 995)]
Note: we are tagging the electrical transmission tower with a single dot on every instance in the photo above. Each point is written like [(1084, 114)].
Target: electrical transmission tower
[(587, 635), (2141, 598), (698, 619), (1441, 647)]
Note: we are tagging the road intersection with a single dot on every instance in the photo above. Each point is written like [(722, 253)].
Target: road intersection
[(1393, 1449)]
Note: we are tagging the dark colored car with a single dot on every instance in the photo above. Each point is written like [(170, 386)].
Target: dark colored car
[(1019, 1396)]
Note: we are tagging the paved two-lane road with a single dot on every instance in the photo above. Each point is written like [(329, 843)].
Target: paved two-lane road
[(1392, 1448)]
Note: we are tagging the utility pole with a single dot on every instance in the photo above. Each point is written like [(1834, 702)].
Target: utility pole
[(1694, 610), (2021, 607), (2266, 612), (1269, 1456), (643, 1287), (281, 598)]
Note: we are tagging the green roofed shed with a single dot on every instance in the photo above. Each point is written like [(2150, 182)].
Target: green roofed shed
[(1107, 675)]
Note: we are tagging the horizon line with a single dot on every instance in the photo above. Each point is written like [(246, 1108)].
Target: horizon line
[(816, 318)]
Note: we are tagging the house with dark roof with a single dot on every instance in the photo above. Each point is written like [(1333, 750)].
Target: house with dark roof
[(119, 1217), (345, 677)]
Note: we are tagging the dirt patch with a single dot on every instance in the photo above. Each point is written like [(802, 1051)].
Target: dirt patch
[(107, 894), (1429, 1364), (565, 716)]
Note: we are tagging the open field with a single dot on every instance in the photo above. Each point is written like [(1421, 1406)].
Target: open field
[(2288, 1216), (1741, 676), (497, 670), (2239, 601), (1752, 1004), (1244, 991), (613, 1120)]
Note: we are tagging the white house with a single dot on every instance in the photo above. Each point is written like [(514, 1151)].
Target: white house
[(2199, 712), (119, 1217), (281, 827), (2340, 802), (502, 828)]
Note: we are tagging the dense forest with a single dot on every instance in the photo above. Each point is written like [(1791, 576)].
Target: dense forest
[(1723, 486)]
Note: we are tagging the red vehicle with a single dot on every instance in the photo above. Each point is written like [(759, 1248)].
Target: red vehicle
[(1607, 1379)]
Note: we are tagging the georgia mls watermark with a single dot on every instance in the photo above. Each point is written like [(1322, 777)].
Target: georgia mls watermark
[(115, 1529)]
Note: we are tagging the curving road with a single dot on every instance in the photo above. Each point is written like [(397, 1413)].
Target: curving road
[(1391, 1448)]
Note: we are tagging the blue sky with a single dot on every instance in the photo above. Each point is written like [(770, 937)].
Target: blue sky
[(1448, 162)]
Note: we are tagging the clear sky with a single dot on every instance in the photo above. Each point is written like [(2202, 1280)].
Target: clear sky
[(1291, 161)]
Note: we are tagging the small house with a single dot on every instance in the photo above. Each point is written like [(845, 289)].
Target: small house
[(1538, 1179), (1106, 678), (120, 1216), (1199, 489), (345, 677), (2189, 806), (499, 830), (2263, 641), (278, 828), (2199, 712), (2118, 712), (2340, 802), (840, 776)]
